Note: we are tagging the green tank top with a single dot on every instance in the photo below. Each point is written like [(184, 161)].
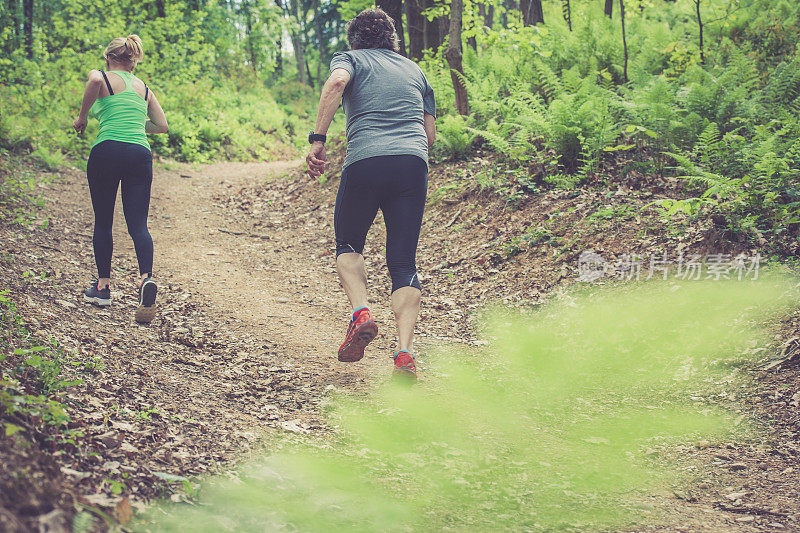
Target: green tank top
[(122, 115)]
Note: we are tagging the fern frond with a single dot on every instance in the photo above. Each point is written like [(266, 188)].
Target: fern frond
[(498, 143), (545, 81)]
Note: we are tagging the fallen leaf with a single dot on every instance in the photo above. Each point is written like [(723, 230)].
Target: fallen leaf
[(124, 511), (733, 496)]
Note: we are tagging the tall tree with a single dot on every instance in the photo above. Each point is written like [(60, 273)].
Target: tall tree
[(532, 12), (27, 30), (454, 55), (279, 45), (298, 41), (486, 14), (609, 9), (13, 13), (394, 8), (624, 41), (436, 29), (321, 41), (416, 29), (700, 27), (247, 8)]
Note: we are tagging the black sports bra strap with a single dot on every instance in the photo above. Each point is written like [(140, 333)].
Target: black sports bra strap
[(108, 84), (146, 92)]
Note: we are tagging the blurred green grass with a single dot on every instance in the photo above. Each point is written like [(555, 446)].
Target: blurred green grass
[(545, 430)]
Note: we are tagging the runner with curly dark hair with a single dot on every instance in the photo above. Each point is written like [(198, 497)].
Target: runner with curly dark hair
[(372, 28), (390, 112)]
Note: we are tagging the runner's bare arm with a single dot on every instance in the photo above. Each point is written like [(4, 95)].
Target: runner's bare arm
[(331, 97), (90, 94), (328, 104), (156, 119), (430, 128)]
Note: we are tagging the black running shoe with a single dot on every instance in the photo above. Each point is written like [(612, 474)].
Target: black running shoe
[(147, 301), (101, 297)]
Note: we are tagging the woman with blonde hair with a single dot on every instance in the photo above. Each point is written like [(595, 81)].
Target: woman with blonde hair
[(127, 110)]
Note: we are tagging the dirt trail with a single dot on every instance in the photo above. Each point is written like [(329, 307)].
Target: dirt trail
[(254, 281)]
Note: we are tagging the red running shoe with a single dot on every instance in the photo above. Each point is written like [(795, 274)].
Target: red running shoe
[(360, 333), (404, 366)]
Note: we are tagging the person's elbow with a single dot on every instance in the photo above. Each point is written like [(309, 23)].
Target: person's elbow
[(158, 127), (337, 83), (95, 78)]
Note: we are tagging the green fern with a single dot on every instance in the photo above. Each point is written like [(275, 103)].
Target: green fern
[(497, 142), (545, 81)]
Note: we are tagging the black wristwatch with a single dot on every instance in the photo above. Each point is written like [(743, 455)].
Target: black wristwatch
[(316, 137)]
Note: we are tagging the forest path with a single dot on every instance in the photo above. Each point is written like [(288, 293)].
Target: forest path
[(264, 283)]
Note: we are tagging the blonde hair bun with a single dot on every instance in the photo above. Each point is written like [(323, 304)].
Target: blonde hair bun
[(125, 49)]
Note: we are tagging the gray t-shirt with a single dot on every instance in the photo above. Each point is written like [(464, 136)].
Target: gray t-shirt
[(384, 103)]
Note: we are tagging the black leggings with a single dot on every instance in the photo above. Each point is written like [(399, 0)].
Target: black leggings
[(397, 184), (109, 163)]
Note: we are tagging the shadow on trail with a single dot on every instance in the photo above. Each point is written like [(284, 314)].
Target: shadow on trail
[(545, 430)]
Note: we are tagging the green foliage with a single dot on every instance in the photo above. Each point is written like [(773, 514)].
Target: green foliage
[(30, 376), (531, 237), (18, 194), (208, 119), (455, 137), (212, 84), (550, 96), (550, 433)]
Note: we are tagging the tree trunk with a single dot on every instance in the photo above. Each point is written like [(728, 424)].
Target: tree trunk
[(431, 33), (567, 9), (394, 8), (432, 36), (609, 10), (538, 12), (454, 55), (532, 12), (27, 6), (160, 8), (279, 57), (300, 58), (436, 29), (444, 27), (298, 44), (308, 73), (624, 41), (321, 48), (13, 14), (279, 46), (700, 26), (248, 26), (416, 29)]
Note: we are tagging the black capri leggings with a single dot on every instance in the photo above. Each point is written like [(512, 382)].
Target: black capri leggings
[(397, 184), (110, 163)]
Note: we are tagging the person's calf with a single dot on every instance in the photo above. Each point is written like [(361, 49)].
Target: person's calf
[(353, 276), (406, 303)]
